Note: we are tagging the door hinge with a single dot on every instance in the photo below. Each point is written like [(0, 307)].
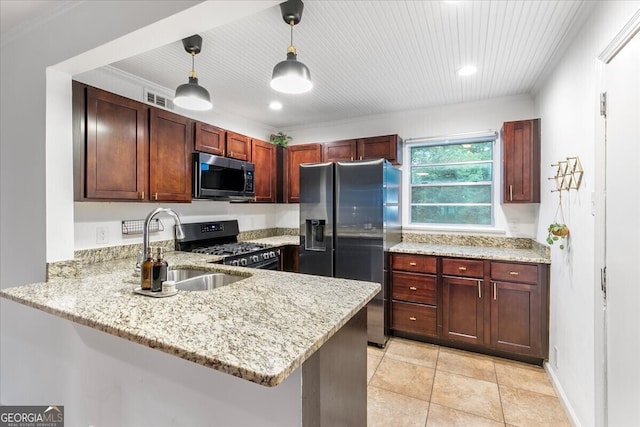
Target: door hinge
[(603, 104), (603, 281)]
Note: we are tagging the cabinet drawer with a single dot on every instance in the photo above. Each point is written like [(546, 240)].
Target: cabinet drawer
[(514, 272), (415, 263), (415, 318), (413, 287), (463, 267)]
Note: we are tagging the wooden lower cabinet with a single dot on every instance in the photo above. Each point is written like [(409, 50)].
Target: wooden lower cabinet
[(518, 320), (414, 294), (462, 310), (488, 306)]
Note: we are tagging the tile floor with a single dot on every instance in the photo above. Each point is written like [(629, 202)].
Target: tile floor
[(417, 384)]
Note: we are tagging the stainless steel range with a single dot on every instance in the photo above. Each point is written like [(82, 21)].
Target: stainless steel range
[(221, 238)]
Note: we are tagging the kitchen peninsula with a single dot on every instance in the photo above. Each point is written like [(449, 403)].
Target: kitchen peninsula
[(273, 349)]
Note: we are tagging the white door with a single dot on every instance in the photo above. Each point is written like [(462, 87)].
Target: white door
[(622, 237)]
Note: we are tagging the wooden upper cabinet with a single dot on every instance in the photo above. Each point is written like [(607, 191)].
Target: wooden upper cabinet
[(297, 155), (169, 156), (116, 147), (210, 139), (388, 147), (238, 146), (263, 155), (521, 161), (338, 151)]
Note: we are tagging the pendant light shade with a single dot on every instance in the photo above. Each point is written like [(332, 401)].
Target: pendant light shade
[(192, 96), (291, 76)]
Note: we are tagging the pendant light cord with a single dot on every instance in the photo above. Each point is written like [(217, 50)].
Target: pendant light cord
[(292, 48), (193, 66)]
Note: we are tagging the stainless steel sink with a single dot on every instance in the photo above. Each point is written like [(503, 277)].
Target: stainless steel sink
[(181, 274), (198, 280)]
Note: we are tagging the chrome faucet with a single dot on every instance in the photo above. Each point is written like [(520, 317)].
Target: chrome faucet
[(145, 231)]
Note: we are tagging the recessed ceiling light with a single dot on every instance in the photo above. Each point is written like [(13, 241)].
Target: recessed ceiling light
[(467, 70), (275, 105)]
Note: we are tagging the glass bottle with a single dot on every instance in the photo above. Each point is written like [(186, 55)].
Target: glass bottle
[(146, 271), (159, 271)]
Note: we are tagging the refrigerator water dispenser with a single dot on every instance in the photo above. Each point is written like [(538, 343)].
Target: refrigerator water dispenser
[(314, 238)]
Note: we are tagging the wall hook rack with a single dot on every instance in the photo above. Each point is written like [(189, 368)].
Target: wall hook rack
[(568, 174)]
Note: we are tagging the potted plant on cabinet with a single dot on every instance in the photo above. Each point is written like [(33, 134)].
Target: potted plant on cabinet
[(280, 139), (557, 231)]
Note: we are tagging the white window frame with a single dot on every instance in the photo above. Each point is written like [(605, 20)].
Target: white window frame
[(453, 139)]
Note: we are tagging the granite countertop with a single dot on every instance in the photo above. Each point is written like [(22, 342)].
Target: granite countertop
[(260, 329), (474, 249), (478, 252)]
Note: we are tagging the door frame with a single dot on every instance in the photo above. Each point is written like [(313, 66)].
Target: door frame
[(628, 31)]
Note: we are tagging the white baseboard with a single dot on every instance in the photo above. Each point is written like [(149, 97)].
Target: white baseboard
[(573, 419)]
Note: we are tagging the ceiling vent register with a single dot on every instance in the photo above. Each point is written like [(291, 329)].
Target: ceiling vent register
[(158, 100)]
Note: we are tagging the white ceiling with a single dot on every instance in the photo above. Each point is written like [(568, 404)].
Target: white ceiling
[(370, 57)]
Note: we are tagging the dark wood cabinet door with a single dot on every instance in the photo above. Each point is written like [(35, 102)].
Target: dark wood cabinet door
[(169, 156), (116, 147), (387, 147), (297, 155), (521, 161), (238, 146), (462, 310), (289, 258), (339, 151), (263, 155), (209, 139), (516, 318)]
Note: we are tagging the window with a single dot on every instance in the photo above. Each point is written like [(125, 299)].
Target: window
[(451, 182)]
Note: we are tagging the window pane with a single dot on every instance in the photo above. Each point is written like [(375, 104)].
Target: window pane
[(451, 214), (451, 183), (451, 153), (474, 172), (451, 194)]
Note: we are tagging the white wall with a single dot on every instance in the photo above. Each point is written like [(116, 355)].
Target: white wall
[(568, 107), (436, 122), (63, 43)]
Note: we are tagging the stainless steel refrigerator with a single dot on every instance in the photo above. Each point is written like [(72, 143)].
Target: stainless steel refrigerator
[(349, 217)]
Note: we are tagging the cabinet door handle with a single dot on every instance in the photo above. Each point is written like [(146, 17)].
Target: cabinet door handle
[(413, 288), (495, 291), (142, 195), (412, 318), (155, 196), (479, 290), (513, 273), (351, 158), (462, 268), (511, 193), (413, 264)]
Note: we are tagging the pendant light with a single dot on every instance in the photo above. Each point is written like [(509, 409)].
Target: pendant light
[(192, 96), (291, 75)]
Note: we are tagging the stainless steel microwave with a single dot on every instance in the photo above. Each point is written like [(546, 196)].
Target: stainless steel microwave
[(222, 178)]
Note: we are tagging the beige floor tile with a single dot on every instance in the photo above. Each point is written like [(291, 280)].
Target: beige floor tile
[(404, 378), (467, 394), (532, 378), (525, 408), (467, 364), (377, 351), (413, 352), (372, 364), (441, 416), (386, 408)]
